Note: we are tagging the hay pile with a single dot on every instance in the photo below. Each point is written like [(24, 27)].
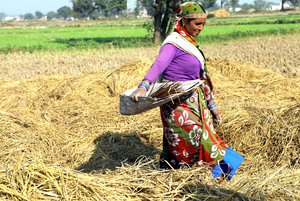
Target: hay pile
[(219, 13), (62, 138)]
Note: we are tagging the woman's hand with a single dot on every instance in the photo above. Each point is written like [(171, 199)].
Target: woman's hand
[(216, 115), (139, 92)]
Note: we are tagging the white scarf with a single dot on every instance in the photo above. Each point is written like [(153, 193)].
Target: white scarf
[(180, 42)]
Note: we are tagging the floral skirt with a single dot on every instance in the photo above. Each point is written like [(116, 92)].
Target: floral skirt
[(189, 137)]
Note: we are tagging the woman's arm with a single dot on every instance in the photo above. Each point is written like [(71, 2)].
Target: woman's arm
[(164, 58)]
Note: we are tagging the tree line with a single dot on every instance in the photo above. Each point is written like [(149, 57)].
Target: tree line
[(63, 12), (93, 9), (96, 8)]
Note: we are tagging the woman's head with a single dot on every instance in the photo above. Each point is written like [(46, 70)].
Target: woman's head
[(193, 17)]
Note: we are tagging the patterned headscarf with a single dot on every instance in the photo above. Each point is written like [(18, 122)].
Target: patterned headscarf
[(189, 10)]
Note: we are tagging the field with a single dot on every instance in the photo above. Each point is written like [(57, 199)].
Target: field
[(64, 139), (131, 33)]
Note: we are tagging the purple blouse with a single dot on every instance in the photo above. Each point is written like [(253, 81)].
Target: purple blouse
[(175, 65)]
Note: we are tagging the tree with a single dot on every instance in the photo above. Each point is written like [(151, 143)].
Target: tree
[(295, 3), (2, 16), (28, 16), (51, 15), (119, 5), (83, 8), (261, 5), (247, 6), (163, 13), (208, 3), (233, 4), (138, 8), (149, 5), (91, 8), (64, 12), (223, 2), (282, 4), (103, 6), (38, 15)]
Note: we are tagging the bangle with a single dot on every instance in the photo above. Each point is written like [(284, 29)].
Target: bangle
[(145, 84), (211, 107), (143, 87), (210, 102)]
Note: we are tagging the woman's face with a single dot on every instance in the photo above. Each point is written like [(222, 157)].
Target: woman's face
[(195, 26)]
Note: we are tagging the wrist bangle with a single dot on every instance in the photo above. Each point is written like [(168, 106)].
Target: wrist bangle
[(211, 107), (145, 84), (210, 102), (143, 87)]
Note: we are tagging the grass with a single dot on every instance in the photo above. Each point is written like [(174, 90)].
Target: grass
[(131, 33), (223, 33), (66, 37), (278, 19)]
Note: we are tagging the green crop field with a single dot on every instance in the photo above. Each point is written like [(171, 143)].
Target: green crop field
[(64, 37), (277, 19), (233, 32), (132, 33)]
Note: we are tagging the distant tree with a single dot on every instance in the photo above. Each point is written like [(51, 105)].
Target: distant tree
[(282, 4), (2, 16), (92, 8), (222, 3), (247, 6), (28, 16), (295, 3), (118, 6), (163, 18), (149, 5), (233, 4), (51, 15), (163, 12), (39, 14), (104, 6), (261, 5), (208, 3), (83, 8), (138, 8), (64, 12)]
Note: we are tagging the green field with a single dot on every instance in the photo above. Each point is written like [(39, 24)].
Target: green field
[(132, 33), (279, 19)]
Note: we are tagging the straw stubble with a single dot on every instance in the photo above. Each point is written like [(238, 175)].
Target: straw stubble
[(63, 138)]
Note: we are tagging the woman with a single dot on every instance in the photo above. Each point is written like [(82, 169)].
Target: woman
[(189, 136)]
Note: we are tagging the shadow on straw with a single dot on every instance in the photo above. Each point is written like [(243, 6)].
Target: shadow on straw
[(112, 149), (211, 193)]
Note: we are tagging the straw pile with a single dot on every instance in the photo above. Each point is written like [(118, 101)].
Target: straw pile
[(63, 138), (219, 13)]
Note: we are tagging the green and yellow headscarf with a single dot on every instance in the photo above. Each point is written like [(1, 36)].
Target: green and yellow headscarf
[(189, 10)]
